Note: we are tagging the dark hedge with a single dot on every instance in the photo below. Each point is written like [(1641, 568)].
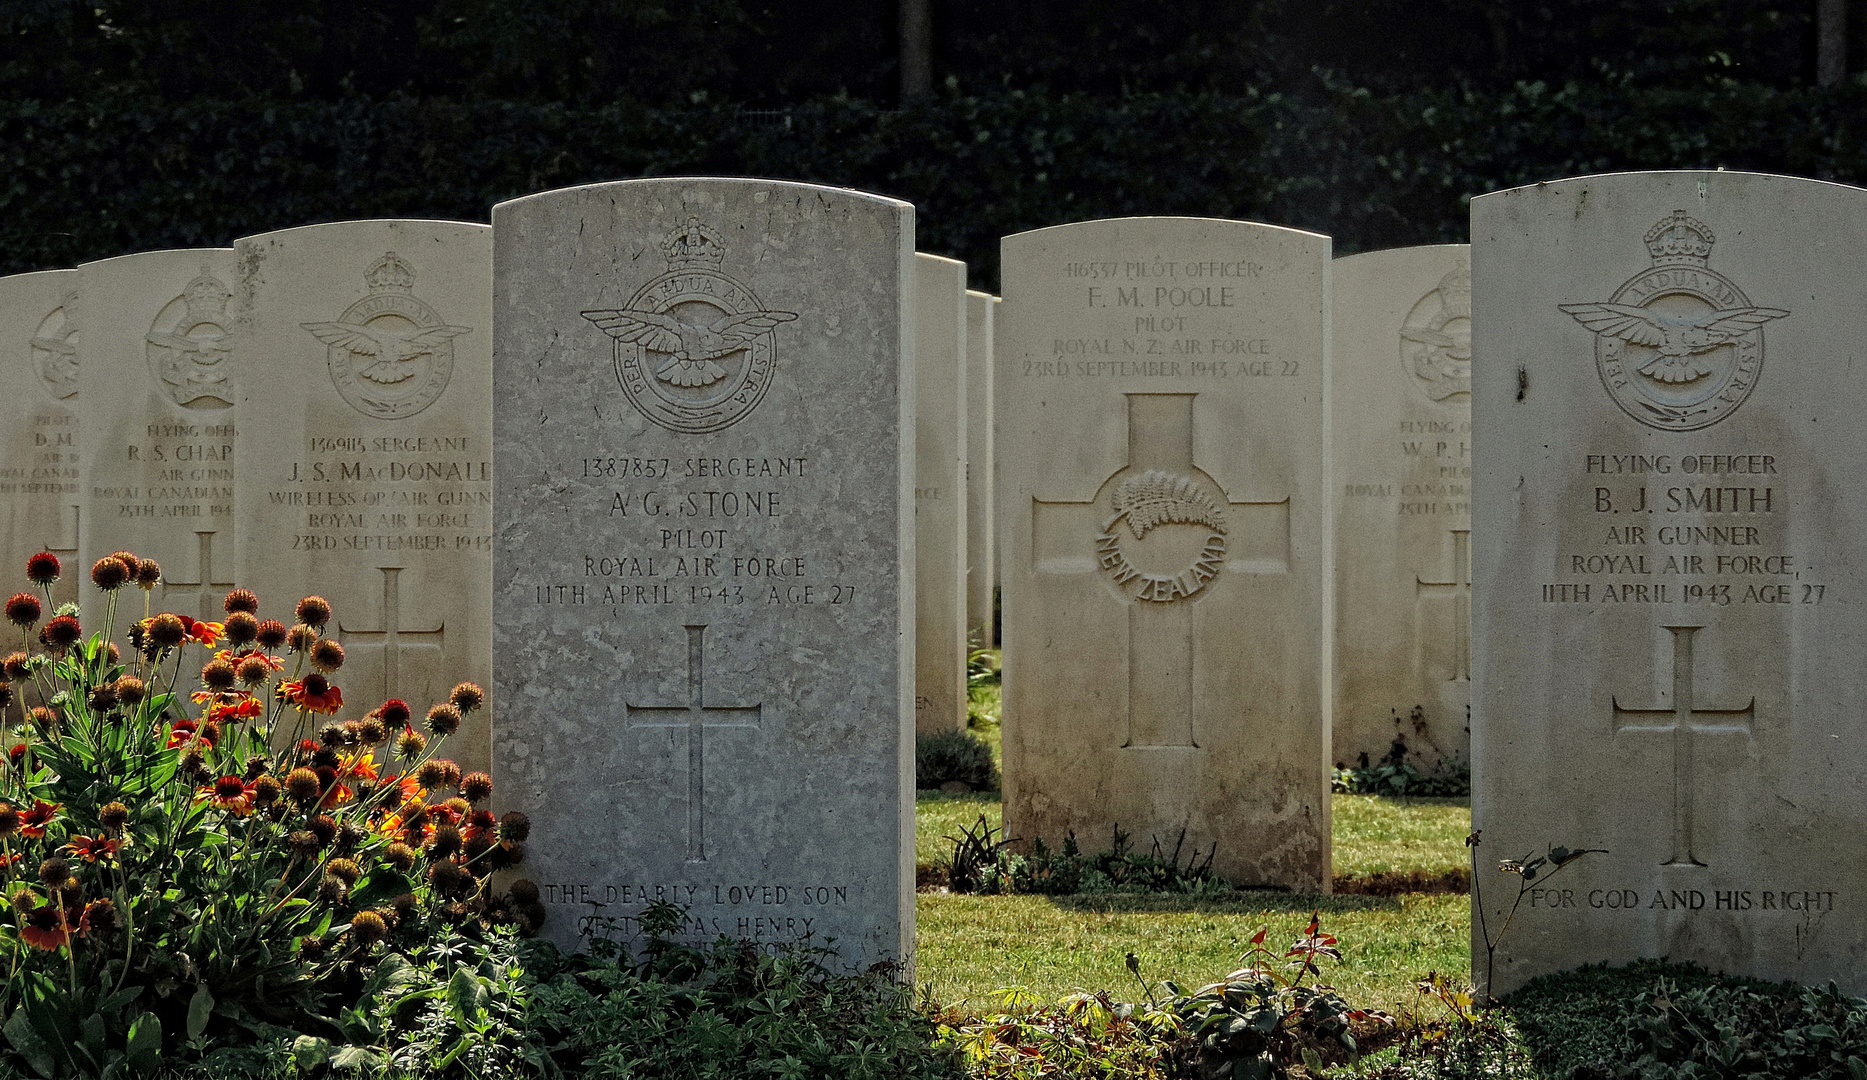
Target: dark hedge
[(102, 177)]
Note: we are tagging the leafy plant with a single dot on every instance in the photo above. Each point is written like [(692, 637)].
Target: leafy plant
[(982, 864), (1263, 1018), (193, 864), (1531, 867), (1397, 776), (1084, 1036), (954, 756)]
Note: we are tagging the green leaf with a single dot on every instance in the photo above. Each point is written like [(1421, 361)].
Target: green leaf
[(356, 1057), (465, 995), (199, 1008), (309, 1052), (1857, 1069), (21, 1035), (145, 1045)]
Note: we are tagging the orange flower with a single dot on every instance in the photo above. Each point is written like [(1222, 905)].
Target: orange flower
[(8, 862), (231, 794), (32, 822), (93, 848), (240, 707), (361, 766), (236, 658), (45, 928), (180, 732), (313, 694), (207, 633)]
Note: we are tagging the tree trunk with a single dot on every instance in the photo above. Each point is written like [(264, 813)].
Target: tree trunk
[(1831, 42), (916, 24)]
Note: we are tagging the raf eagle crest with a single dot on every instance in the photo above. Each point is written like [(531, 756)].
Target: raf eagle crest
[(390, 355), (694, 348), (1679, 346)]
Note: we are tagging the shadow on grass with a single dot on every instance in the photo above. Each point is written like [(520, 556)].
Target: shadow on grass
[(1235, 903)]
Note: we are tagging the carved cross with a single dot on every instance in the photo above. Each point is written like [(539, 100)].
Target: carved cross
[(391, 638), (1160, 654), (1459, 589), (695, 717), (66, 589), (207, 591), (1684, 720)]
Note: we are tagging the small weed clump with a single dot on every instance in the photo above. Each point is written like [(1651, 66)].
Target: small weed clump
[(981, 864), (954, 756)]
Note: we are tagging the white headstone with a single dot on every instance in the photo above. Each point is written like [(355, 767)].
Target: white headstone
[(1667, 548), (156, 404), (40, 474), (366, 364), (940, 495), (705, 650), (1401, 412), (981, 569), (1163, 515)]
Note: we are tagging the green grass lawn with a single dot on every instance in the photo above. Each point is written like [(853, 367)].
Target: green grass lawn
[(970, 946)]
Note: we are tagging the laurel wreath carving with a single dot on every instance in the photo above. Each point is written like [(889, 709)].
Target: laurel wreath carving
[(1156, 498)]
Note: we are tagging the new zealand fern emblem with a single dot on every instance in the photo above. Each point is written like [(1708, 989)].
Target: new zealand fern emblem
[(1151, 500)]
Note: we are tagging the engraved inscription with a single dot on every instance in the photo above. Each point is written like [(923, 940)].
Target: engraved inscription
[(190, 354), (694, 348), (390, 355), (1436, 340), (54, 348), (1679, 347), (695, 717), (1684, 721)]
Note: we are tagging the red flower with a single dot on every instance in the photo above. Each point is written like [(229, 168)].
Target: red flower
[(16, 755), (314, 694), (7, 862), (235, 658), (45, 928), (61, 633), (231, 794), (207, 633), (32, 822), (242, 707), (93, 848), (23, 609), (43, 568), (180, 732)]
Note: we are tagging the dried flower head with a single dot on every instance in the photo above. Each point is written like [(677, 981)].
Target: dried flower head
[(218, 675), (451, 777), (332, 890), (148, 574), (193, 766), (333, 735), (457, 807), (467, 696), (401, 856), (99, 918), (304, 843), (410, 743), (303, 787), (18, 665), (265, 791), (314, 611), (271, 634), (403, 905), (300, 637), (167, 630), (55, 871), (324, 826), (114, 816), (241, 600), (210, 732), (311, 949), (515, 826), (9, 820), (431, 774), (111, 653), (327, 655), (476, 787), (395, 712), (242, 628), (42, 569), (474, 848), (446, 876), (345, 870), (61, 633), (23, 609), (130, 563), (253, 671), (368, 927), (351, 835), (103, 698), (371, 730), (444, 720), (523, 890), (109, 573), (325, 758), (256, 766), (131, 690), (446, 842)]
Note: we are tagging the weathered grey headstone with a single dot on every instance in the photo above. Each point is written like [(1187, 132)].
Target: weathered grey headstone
[(40, 471), (705, 652), (981, 569), (365, 352), (1666, 563), (1163, 516), (940, 495), (1401, 419), (157, 392)]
